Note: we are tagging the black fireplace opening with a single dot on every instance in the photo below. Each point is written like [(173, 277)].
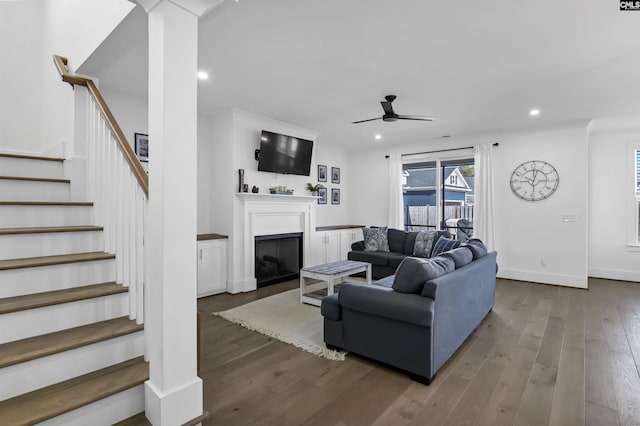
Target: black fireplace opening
[(278, 258)]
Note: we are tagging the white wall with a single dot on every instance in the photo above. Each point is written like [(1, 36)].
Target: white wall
[(20, 75), (36, 108), (532, 241), (610, 194)]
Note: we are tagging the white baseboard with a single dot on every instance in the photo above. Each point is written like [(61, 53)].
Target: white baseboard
[(614, 274), (176, 407), (544, 278), (243, 286)]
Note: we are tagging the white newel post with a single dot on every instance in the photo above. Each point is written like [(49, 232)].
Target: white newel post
[(173, 393)]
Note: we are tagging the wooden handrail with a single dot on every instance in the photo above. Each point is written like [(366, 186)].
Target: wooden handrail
[(141, 176)]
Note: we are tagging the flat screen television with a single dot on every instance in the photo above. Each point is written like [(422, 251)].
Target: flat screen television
[(284, 154)]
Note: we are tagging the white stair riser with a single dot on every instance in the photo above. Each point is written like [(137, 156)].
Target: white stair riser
[(31, 168), (24, 216), (107, 411), (50, 244), (29, 376), (24, 190), (34, 322), (16, 282)]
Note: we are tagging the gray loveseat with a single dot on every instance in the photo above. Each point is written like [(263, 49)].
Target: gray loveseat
[(385, 263), (416, 319)]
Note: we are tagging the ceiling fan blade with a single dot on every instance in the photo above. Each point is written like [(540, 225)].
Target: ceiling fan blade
[(364, 121), (415, 117), (386, 106)]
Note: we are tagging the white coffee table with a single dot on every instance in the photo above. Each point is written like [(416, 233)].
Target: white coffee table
[(331, 273)]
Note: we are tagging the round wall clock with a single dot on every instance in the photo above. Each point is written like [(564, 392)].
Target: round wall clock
[(534, 180)]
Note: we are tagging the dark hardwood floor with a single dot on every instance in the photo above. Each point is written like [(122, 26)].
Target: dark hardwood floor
[(545, 355)]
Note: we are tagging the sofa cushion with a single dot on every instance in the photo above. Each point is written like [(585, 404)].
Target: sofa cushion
[(461, 256), (396, 238), (409, 242), (424, 243), (373, 257), (385, 282), (395, 259), (444, 244), (375, 239), (477, 247), (413, 272)]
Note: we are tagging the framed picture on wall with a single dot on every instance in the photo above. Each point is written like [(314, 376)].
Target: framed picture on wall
[(142, 146), (335, 175), (322, 193), (322, 173), (335, 196)]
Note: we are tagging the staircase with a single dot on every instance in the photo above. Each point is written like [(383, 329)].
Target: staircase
[(69, 354)]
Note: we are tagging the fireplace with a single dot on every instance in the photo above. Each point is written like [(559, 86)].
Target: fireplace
[(278, 258)]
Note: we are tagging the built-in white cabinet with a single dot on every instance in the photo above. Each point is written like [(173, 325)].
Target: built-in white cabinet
[(212, 266), (332, 245)]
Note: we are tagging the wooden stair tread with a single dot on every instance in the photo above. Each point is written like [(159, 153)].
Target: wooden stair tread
[(35, 179), (31, 262), (48, 229), (31, 157), (47, 203), (57, 297), (48, 344), (54, 400), (138, 420)]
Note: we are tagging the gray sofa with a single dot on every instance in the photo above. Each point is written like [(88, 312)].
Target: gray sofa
[(416, 319), (385, 263)]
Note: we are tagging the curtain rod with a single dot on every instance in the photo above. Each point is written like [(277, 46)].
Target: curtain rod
[(439, 150)]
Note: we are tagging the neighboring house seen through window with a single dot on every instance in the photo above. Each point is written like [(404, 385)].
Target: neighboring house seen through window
[(439, 194)]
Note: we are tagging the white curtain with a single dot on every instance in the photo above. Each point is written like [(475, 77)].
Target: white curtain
[(396, 210), (483, 210)]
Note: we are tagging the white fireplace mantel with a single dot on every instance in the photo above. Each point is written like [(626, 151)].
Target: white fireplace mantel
[(270, 214)]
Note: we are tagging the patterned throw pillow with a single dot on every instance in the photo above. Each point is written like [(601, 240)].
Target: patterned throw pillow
[(444, 244), (375, 239), (424, 243)]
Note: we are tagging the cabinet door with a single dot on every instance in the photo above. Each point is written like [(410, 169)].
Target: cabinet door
[(348, 237), (212, 267), (332, 246)]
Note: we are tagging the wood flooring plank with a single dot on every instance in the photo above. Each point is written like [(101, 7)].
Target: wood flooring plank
[(503, 406), (569, 398), (627, 387), (598, 381), (477, 395), (596, 415), (438, 407), (365, 400), (535, 407)]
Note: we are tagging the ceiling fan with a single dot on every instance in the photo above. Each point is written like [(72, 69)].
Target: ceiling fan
[(390, 114)]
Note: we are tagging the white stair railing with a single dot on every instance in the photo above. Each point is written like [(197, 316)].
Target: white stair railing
[(118, 187)]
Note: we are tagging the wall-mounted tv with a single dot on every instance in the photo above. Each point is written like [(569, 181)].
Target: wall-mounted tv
[(284, 154)]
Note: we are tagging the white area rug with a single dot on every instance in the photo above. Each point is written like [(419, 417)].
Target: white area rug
[(283, 317)]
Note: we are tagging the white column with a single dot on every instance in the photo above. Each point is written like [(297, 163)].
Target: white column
[(173, 393)]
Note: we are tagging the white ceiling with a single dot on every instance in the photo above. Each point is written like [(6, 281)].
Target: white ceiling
[(478, 66)]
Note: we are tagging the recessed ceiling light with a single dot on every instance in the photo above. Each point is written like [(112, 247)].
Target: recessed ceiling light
[(378, 137), (534, 112), (203, 75)]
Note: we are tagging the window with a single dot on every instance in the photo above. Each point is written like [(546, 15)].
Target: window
[(439, 194)]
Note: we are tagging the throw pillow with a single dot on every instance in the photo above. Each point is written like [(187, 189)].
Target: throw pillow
[(414, 272), (424, 243), (477, 247), (444, 244), (375, 239), (461, 256)]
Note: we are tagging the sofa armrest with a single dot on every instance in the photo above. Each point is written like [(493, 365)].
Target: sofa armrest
[(330, 308), (387, 303), (358, 246)]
